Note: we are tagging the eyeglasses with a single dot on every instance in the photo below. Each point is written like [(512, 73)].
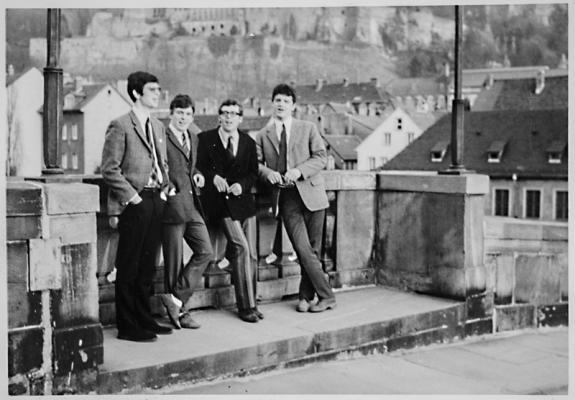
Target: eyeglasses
[(229, 113)]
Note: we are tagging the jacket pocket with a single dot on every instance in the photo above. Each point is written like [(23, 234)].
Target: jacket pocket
[(316, 180)]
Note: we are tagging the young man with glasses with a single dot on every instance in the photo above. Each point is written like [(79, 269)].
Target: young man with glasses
[(227, 158), (291, 154), (135, 169), (183, 217)]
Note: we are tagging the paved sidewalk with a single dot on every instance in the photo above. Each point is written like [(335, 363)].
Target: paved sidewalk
[(533, 361)]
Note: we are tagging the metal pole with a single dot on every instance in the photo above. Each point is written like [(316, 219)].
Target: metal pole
[(53, 99), (458, 104)]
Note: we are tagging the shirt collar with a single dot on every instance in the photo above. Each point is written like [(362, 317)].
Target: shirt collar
[(142, 115), (224, 136), (287, 122)]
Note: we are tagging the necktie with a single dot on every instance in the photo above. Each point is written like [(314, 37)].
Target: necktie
[(282, 164), (185, 143), (156, 174), (230, 147)]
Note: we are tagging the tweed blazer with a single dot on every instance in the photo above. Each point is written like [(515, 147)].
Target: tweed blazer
[(306, 152), (127, 159), (243, 169), (182, 207)]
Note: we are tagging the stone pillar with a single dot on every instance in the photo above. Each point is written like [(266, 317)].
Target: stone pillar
[(55, 337), (430, 239)]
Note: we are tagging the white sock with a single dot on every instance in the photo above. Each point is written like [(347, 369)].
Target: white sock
[(176, 300)]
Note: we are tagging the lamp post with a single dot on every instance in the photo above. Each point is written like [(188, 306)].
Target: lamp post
[(53, 99), (458, 104)]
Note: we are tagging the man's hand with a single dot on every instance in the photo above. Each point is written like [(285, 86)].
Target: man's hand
[(221, 184), (275, 178), (135, 200), (235, 189), (172, 192), (199, 180), (292, 175)]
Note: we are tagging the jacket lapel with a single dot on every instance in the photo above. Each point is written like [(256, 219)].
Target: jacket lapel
[(138, 129), (172, 137), (273, 137), (293, 135)]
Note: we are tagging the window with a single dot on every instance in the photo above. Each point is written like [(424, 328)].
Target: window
[(74, 161), (75, 132), (382, 160), (64, 132), (371, 162), (438, 151), (555, 151), (495, 151), (64, 161), (387, 138), (501, 202), (410, 137), (399, 124), (561, 205), (532, 203)]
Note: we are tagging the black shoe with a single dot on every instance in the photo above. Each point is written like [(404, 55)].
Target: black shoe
[(138, 336), (249, 316), (257, 313), (159, 329)]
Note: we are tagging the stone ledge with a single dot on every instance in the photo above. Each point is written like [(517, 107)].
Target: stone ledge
[(422, 182), (71, 198), (349, 180)]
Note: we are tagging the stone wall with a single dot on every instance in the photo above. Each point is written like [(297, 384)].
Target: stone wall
[(527, 267), (54, 336)]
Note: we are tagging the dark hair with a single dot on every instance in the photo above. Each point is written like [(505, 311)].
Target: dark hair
[(284, 89), (181, 101), (231, 102), (137, 81)]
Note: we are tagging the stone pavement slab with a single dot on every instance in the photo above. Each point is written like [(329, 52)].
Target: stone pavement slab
[(474, 366)]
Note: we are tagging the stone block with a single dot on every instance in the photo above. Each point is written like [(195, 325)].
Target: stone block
[(23, 227), (45, 264), (276, 289), (289, 269), (107, 246), (431, 182), (68, 198), (490, 271), (24, 307), (23, 198), (553, 315), (25, 350), (513, 317), (504, 279), (268, 272), (349, 180), (433, 336), (449, 282), (77, 348), (73, 229), (107, 313), (475, 280), (17, 261), (355, 229), (78, 299), (217, 279), (536, 281), (360, 277), (479, 305), (479, 327)]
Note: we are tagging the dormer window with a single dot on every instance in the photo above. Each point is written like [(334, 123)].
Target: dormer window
[(438, 151), (555, 151), (69, 101), (495, 151), (399, 124)]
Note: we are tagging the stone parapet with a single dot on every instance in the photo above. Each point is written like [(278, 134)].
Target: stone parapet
[(54, 332)]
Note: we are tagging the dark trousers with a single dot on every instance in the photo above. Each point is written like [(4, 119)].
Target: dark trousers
[(305, 230), (241, 263), (178, 278), (139, 230)]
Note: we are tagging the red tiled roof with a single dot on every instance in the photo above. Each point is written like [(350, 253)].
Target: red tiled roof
[(340, 93), (527, 136), (343, 145)]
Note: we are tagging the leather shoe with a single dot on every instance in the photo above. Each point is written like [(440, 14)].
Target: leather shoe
[(303, 305), (257, 313), (322, 305), (186, 321), (249, 316), (139, 336), (159, 329), (172, 310)]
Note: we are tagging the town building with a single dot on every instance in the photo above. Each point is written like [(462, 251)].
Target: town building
[(87, 111), (524, 152), (24, 96), (341, 151)]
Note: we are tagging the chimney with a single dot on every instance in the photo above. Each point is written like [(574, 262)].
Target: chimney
[(446, 71), (318, 84), (345, 82), (10, 70), (540, 81), (349, 130), (563, 64), (375, 81), (78, 83)]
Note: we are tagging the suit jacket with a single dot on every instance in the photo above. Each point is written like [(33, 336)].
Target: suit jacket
[(306, 151), (127, 159), (243, 169), (184, 206)]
